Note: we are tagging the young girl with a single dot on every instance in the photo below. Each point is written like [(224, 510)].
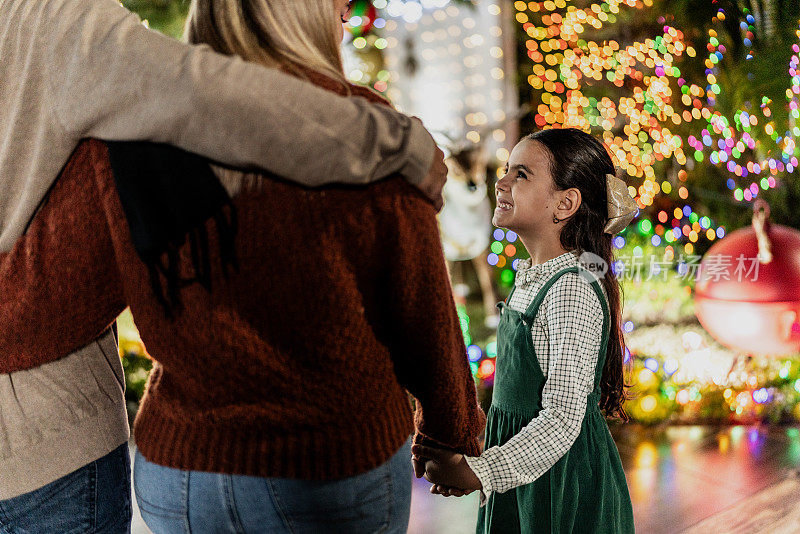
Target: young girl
[(550, 464)]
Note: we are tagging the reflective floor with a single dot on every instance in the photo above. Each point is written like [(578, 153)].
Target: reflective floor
[(704, 479)]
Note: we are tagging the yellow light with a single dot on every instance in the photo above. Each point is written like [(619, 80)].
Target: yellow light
[(648, 404), (646, 378)]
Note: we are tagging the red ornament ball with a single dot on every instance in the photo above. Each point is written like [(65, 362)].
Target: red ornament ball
[(748, 305)]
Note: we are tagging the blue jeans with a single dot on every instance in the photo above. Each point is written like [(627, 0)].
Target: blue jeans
[(94, 499), (174, 501)]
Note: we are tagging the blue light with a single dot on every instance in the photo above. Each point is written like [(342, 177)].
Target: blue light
[(656, 240), (619, 241), (761, 395), (628, 327), (687, 210), (474, 353), (670, 366), (379, 23), (652, 364), (492, 259), (720, 233), (511, 236), (499, 235)]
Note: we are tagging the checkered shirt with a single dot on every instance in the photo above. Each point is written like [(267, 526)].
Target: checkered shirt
[(566, 335)]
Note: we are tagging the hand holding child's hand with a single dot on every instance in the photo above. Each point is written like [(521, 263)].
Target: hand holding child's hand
[(447, 470)]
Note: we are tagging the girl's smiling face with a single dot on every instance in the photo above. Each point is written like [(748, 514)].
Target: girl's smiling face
[(526, 196)]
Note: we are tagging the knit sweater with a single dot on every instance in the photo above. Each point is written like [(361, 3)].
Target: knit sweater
[(73, 69), (298, 364)]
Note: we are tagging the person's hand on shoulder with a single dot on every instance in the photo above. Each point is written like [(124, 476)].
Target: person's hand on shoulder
[(434, 182)]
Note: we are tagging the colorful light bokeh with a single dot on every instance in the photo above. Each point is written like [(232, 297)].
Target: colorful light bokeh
[(564, 64)]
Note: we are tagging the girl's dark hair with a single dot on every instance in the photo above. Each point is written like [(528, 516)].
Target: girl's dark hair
[(578, 160)]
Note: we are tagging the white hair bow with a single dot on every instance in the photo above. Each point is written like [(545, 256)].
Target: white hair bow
[(622, 207)]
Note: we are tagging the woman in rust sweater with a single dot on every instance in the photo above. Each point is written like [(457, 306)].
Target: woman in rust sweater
[(278, 399)]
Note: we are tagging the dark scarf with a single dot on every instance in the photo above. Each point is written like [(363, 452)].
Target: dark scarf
[(167, 195)]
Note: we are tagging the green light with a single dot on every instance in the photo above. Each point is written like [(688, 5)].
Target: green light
[(645, 226), (738, 194), (764, 184), (693, 218), (698, 155), (507, 276), (497, 247)]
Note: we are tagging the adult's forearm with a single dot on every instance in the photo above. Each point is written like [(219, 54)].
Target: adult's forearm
[(120, 81)]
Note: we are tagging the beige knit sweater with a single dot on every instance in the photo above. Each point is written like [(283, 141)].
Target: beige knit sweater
[(73, 69)]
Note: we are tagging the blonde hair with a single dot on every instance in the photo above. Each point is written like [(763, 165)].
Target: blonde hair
[(275, 33)]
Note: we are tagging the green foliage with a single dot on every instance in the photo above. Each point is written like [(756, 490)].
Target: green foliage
[(166, 16)]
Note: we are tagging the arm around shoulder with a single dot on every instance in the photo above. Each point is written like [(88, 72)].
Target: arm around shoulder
[(117, 80)]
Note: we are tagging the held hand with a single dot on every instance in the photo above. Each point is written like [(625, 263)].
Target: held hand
[(419, 466), (447, 469), (445, 491), (434, 181)]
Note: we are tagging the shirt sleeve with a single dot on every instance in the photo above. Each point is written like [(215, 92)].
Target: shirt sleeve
[(114, 79), (574, 324), (427, 345)]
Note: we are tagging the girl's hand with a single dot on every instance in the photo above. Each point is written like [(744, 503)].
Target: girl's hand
[(446, 469), (444, 491)]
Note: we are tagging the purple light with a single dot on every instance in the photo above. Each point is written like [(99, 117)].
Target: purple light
[(761, 395), (474, 353)]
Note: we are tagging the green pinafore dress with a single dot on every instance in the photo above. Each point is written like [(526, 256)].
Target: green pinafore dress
[(585, 491)]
